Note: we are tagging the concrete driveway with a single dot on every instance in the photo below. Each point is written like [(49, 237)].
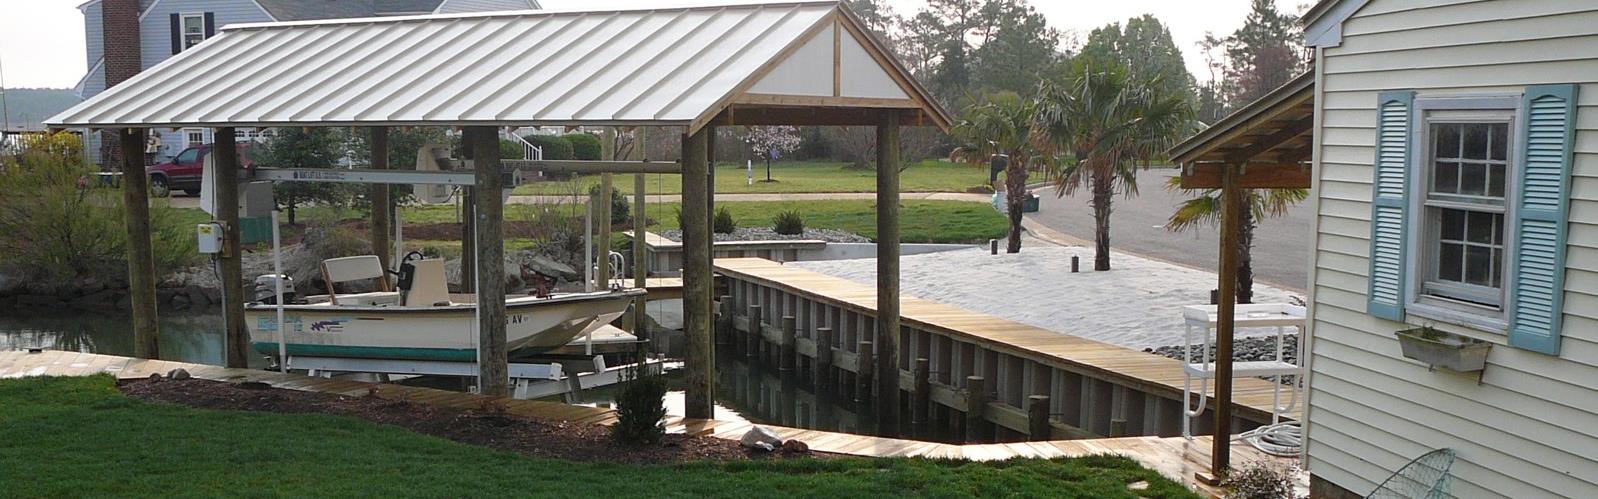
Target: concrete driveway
[(1281, 245)]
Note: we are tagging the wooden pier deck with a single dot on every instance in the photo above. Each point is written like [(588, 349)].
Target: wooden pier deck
[(1174, 457)]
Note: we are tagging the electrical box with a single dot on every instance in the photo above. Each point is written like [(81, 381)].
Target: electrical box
[(210, 235)]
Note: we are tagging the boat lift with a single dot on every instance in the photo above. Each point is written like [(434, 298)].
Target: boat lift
[(529, 380)]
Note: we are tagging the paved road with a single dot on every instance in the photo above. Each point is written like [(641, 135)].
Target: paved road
[(1281, 245)]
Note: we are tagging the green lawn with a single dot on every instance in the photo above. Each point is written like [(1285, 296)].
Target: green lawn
[(793, 176), (79, 437)]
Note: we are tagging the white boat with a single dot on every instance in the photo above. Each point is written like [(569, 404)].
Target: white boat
[(422, 321)]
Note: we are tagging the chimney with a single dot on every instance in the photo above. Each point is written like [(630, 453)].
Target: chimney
[(119, 24)]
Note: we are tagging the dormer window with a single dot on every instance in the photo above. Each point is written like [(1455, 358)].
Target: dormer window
[(193, 30)]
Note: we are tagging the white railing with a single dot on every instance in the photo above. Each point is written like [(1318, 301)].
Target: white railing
[(529, 151)]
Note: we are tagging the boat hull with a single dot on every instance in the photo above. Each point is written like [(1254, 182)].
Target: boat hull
[(445, 333)]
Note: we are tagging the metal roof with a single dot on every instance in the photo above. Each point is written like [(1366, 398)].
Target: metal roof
[(661, 66)]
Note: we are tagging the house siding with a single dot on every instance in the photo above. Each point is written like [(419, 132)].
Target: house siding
[(155, 33), (1530, 428)]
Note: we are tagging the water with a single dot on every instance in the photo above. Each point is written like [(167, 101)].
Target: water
[(193, 338)]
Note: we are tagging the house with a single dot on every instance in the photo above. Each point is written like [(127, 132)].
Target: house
[(127, 36), (1456, 182)]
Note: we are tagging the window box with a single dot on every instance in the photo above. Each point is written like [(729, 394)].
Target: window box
[(1443, 349)]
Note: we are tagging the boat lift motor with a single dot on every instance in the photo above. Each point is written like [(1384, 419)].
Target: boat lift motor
[(266, 288)]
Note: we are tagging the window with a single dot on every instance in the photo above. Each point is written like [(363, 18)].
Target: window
[(193, 26), (195, 136), (1463, 181), (187, 156)]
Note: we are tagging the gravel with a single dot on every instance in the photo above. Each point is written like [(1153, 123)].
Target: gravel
[(1243, 350), (767, 234)]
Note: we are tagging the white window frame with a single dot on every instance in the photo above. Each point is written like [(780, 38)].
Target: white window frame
[(183, 29), (1422, 231), (188, 136)]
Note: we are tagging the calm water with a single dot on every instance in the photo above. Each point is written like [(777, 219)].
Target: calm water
[(748, 392)]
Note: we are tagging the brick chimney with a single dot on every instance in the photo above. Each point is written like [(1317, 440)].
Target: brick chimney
[(119, 24)]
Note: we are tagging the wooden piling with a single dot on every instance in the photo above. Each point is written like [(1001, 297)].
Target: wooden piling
[(490, 212), (789, 351), (382, 206), (696, 272), (863, 371), (1038, 418), (225, 154), (888, 273), (640, 325), (976, 404), (921, 403), (602, 240), (753, 338), (823, 370), (724, 324), (1117, 427), (141, 255)]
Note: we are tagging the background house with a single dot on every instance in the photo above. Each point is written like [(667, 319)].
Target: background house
[(1456, 185), (127, 36)]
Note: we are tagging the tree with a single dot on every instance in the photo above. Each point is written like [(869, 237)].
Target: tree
[(1107, 123), (402, 146), (1205, 208), (305, 148), (1020, 48), (1145, 46), (771, 142), (1001, 125)]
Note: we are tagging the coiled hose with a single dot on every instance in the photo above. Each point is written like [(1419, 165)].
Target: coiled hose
[(1281, 439)]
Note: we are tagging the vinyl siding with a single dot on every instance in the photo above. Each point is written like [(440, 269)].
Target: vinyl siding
[(155, 30), (461, 6), (1530, 427)]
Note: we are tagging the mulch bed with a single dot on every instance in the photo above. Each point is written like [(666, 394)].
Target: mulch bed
[(487, 427)]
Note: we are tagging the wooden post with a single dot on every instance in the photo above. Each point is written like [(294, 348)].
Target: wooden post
[(1117, 427), (788, 353), (888, 273), (141, 256), (226, 162), (922, 402), (823, 370), (863, 372), (382, 207), (1221, 450), (492, 369), (640, 326), (602, 241), (468, 223), (1037, 410), (976, 404), (753, 338), (724, 321), (696, 274)]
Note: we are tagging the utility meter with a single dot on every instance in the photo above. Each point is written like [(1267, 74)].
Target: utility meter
[(210, 238)]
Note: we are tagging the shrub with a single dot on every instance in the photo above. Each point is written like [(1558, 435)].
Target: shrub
[(1260, 480), (723, 224), (585, 146), (555, 147), (620, 209), (510, 149), (640, 408), (788, 223)]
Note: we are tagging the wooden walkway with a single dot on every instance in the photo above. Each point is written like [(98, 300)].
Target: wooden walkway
[(1146, 372), (1174, 457)]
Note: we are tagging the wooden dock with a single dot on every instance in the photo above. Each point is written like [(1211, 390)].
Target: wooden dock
[(1094, 389), (1174, 457)]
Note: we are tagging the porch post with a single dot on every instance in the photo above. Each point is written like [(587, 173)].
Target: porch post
[(225, 151), (696, 275), (493, 371), (1231, 214), (141, 259), (468, 224), (382, 208), (887, 340)]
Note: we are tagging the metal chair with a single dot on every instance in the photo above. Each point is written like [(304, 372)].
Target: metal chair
[(1425, 477)]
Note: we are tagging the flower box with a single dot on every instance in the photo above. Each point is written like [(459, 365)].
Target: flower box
[(1443, 349)]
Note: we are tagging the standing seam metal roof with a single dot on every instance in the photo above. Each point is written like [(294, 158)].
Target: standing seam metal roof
[(622, 67)]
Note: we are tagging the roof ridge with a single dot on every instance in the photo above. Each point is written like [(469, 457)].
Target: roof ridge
[(525, 13)]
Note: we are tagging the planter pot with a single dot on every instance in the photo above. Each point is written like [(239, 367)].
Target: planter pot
[(1442, 349)]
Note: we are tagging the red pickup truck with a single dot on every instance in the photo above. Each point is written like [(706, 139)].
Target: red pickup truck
[(184, 171)]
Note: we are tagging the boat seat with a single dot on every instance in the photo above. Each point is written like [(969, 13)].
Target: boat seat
[(428, 286), (352, 268)]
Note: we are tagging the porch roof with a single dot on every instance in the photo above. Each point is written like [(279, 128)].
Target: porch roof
[(1270, 140)]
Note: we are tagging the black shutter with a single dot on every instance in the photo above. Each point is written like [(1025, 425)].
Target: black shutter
[(177, 33), (210, 25)]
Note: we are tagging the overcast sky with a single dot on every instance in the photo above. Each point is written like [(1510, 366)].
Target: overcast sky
[(41, 41)]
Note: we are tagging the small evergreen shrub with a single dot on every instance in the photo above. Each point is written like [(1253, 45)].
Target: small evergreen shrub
[(555, 147), (585, 146), (640, 408), (788, 223), (723, 224), (620, 209)]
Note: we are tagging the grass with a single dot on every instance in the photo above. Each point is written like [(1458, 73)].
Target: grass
[(792, 176), (81, 437)]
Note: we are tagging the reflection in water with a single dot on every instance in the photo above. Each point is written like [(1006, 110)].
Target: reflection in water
[(187, 338)]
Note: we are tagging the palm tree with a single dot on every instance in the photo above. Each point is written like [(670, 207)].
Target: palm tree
[(1108, 123), (1002, 124), (1205, 208)]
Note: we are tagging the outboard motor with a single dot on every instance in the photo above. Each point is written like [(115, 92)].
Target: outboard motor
[(266, 288)]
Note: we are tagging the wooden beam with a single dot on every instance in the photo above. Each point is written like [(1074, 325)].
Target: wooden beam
[(823, 101), (887, 341), (813, 116), (382, 206), (1266, 142), (493, 377), (141, 256), (1254, 176), (226, 162), (580, 167), (699, 396)]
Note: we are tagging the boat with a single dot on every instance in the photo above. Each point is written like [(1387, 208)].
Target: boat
[(418, 321)]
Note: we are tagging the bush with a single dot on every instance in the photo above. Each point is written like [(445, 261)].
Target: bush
[(1260, 480), (585, 146), (54, 230), (556, 148), (640, 408), (723, 224), (788, 223), (620, 209), (510, 149)]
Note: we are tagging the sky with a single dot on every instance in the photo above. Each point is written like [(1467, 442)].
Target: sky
[(41, 41)]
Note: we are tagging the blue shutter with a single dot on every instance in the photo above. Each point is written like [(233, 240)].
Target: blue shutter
[(1538, 278), (1387, 283)]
